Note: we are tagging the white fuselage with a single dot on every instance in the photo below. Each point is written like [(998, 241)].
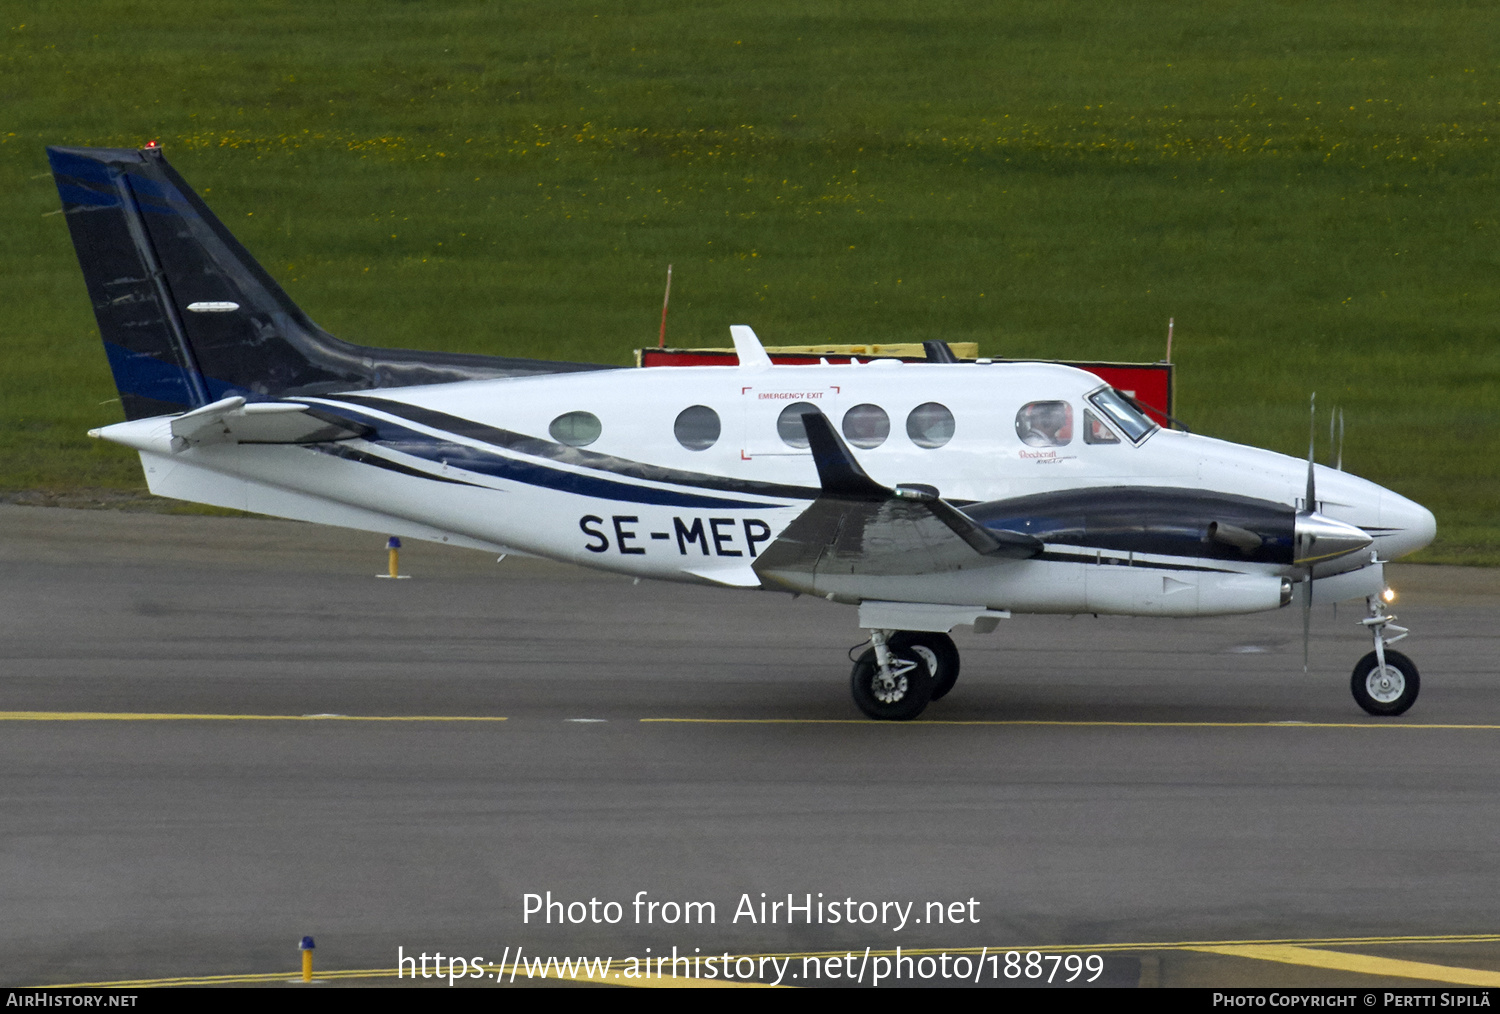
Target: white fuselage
[(636, 500)]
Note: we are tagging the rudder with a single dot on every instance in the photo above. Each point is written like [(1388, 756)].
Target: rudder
[(142, 328)]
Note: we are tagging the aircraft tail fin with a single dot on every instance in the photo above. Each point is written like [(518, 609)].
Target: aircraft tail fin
[(187, 315)]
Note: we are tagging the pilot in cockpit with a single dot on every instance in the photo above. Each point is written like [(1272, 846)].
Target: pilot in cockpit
[(1045, 424)]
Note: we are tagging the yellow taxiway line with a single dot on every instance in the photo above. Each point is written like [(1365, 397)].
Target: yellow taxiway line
[(491, 971), (1362, 963), (1304, 951)]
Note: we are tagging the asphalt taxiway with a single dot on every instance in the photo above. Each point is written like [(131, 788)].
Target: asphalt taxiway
[(1162, 791)]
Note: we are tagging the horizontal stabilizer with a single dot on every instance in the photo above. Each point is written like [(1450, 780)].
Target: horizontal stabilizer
[(232, 420)]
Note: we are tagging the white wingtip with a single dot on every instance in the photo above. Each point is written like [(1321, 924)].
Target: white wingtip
[(748, 347)]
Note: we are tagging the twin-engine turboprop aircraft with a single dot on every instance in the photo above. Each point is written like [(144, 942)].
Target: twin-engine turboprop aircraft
[(929, 495)]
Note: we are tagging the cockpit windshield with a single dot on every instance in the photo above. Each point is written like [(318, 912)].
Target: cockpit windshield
[(1126, 417)]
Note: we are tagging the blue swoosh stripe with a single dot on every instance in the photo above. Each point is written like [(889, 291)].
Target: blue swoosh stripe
[(535, 447), (473, 459)]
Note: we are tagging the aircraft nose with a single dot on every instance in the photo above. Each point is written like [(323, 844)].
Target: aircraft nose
[(1408, 526)]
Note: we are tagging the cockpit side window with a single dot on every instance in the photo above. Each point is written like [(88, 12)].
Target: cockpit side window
[(1094, 430), (1125, 416), (1045, 424)]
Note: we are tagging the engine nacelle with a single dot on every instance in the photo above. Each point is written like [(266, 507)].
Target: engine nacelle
[(1138, 590)]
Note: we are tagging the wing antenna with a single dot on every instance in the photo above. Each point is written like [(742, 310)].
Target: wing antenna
[(748, 347)]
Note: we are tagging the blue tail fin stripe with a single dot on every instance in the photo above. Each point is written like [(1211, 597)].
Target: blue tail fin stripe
[(72, 193), (144, 375), (65, 163)]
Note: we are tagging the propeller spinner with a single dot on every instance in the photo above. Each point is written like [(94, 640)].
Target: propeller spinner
[(1317, 537)]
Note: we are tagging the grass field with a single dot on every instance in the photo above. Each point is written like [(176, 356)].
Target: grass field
[(1309, 189)]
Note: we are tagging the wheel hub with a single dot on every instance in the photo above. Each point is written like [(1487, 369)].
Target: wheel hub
[(1385, 684), (888, 689)]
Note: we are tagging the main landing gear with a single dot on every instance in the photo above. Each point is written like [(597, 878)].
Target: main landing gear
[(904, 670), (1385, 682), (901, 671)]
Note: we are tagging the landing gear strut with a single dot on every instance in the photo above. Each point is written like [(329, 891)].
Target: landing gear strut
[(1385, 682), (901, 671)]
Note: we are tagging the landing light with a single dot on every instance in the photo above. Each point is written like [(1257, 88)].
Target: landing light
[(1388, 596)]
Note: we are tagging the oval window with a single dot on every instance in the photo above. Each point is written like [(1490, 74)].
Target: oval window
[(697, 428), (866, 426), (1045, 424), (789, 424), (930, 425), (576, 429)]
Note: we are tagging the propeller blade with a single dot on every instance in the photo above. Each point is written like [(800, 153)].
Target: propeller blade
[(1310, 507), (1312, 426), (1307, 602)]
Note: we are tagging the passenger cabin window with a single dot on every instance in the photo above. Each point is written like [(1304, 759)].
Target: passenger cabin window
[(576, 429), (930, 425), (697, 428), (789, 424), (866, 426), (1045, 424), (1094, 430), (1126, 417)]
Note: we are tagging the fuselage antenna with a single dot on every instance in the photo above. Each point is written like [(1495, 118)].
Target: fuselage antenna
[(661, 341)]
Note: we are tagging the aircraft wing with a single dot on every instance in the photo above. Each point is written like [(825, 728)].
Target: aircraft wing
[(232, 420), (858, 526)]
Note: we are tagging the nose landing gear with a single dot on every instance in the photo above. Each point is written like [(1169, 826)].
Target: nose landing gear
[(1384, 682)]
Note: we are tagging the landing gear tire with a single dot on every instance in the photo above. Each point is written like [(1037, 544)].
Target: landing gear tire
[(1387, 691), (897, 698), (938, 651)]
